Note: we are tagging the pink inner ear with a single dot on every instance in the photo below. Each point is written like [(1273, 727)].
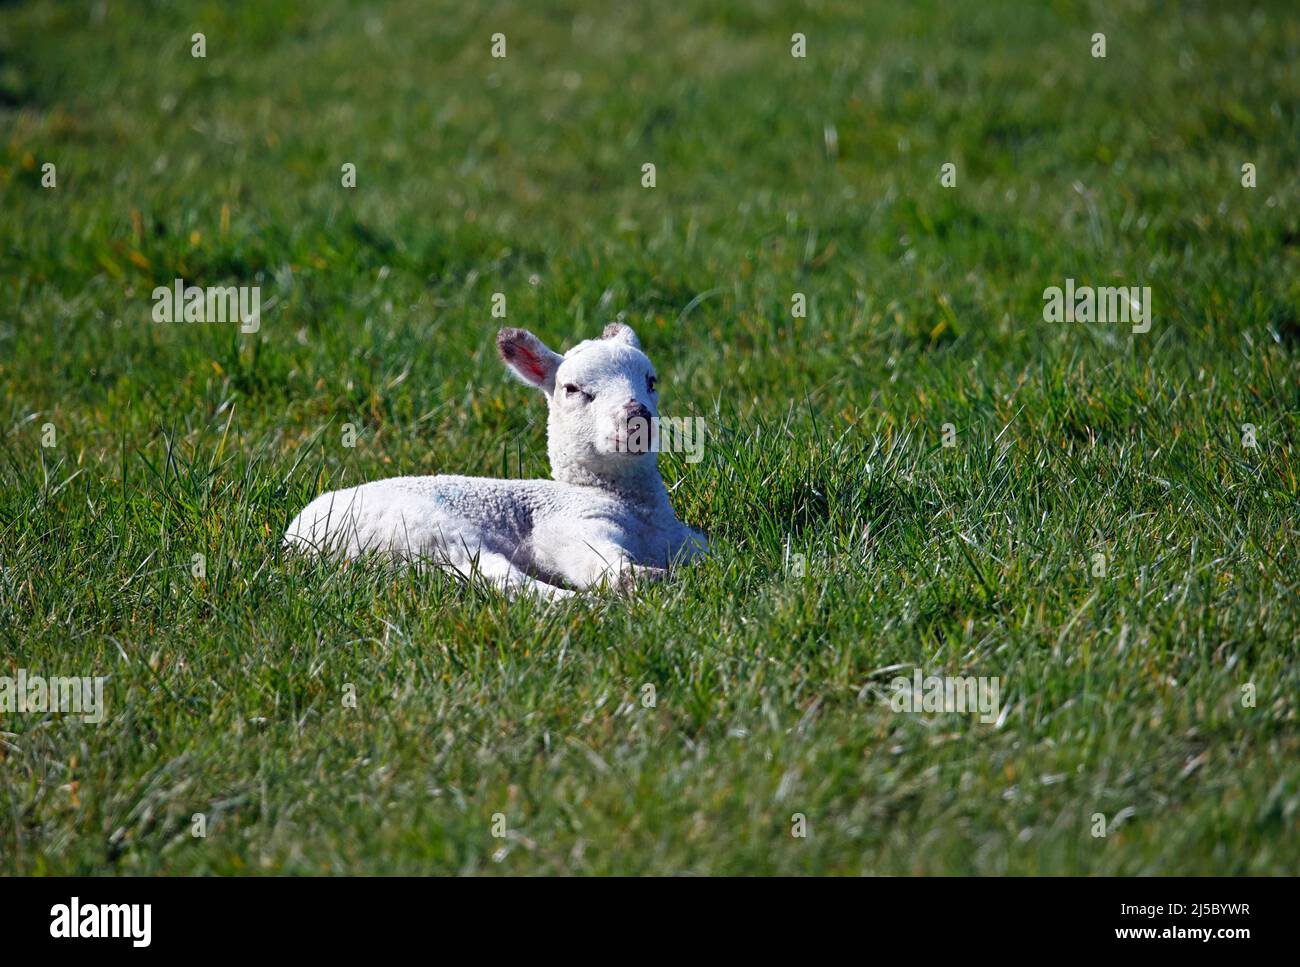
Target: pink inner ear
[(523, 359), (529, 363)]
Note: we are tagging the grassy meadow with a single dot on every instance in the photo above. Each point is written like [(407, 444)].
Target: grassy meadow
[(918, 472)]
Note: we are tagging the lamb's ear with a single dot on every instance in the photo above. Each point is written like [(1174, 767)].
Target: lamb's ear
[(616, 330), (527, 357)]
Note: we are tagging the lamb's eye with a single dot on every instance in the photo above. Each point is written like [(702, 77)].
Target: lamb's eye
[(573, 389), (570, 388), (651, 382)]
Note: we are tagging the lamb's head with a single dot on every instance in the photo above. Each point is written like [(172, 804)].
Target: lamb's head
[(603, 401)]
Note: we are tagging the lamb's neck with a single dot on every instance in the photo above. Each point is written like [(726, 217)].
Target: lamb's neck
[(641, 487)]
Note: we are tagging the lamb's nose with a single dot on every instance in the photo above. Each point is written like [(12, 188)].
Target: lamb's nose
[(636, 410)]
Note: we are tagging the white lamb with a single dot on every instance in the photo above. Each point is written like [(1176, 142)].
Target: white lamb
[(604, 520)]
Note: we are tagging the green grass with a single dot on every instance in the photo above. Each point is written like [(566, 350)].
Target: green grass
[(522, 176)]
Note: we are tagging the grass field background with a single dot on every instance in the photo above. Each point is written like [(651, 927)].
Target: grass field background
[(775, 175)]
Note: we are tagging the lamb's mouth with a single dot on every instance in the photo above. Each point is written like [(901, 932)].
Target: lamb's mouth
[(634, 445)]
